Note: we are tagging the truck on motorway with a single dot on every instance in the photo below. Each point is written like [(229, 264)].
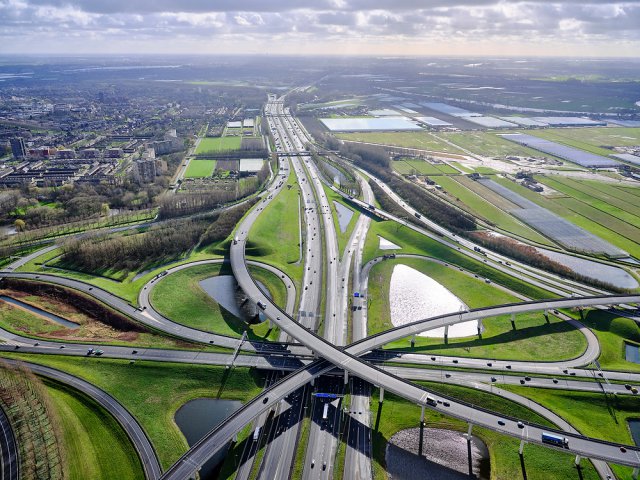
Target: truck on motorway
[(325, 411), (256, 434), (554, 439)]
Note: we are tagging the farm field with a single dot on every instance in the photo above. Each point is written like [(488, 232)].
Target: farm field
[(479, 201), (488, 144), (200, 168), (592, 139), (408, 166), (218, 144), (420, 140), (605, 226)]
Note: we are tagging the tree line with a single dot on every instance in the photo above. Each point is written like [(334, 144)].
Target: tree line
[(376, 161)]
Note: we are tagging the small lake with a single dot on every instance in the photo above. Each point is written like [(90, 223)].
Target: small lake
[(49, 316), (598, 271), (344, 215), (634, 426), (338, 176), (631, 353), (199, 416), (222, 289)]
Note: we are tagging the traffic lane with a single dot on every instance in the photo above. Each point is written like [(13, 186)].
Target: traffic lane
[(9, 459)]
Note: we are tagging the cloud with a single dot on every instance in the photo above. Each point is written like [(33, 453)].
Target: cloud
[(281, 25)]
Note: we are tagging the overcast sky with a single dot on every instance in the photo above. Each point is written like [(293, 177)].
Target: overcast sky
[(372, 27)]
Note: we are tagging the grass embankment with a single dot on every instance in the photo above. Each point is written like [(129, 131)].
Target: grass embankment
[(154, 391), (180, 298), (606, 419), (96, 445), (609, 228), (613, 332), (217, 144), (200, 168), (23, 322), (275, 235), (475, 199), (540, 463), (415, 243), (499, 341), (343, 237)]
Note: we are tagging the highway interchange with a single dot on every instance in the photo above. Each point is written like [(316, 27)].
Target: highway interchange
[(311, 355)]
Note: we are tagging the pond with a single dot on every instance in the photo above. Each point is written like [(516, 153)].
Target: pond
[(444, 456), (634, 426), (49, 316), (631, 353), (197, 417), (596, 270), (344, 215), (223, 290)]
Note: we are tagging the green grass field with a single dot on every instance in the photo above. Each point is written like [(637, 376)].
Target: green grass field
[(396, 414), (96, 445), (607, 227), (275, 235), (592, 139), (180, 298), (411, 166), (200, 168), (477, 205), (218, 144), (419, 139), (343, 237), (488, 144), (561, 341), (154, 391), (415, 243), (607, 418)]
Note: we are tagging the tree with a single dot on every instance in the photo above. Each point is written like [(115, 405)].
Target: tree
[(20, 225), (104, 209)]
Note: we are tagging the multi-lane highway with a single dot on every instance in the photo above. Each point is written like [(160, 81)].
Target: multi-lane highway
[(9, 460)]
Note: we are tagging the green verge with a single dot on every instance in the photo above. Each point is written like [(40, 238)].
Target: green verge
[(606, 419), (541, 463), (613, 332), (275, 235), (96, 445), (499, 341), (180, 298), (412, 242), (154, 391)]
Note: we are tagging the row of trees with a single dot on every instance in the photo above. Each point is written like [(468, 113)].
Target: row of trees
[(160, 244), (376, 161)]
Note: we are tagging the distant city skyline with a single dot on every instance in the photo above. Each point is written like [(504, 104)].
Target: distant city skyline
[(345, 27)]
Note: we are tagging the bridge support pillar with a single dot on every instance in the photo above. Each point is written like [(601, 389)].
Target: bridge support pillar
[(480, 328), (521, 449), (635, 473), (469, 457), (422, 414), (513, 321), (381, 399), (313, 381), (421, 439), (413, 341), (546, 315), (577, 460), (346, 377), (446, 334)]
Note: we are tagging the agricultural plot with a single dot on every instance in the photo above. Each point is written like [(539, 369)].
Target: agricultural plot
[(479, 201), (552, 225), (630, 195), (218, 144), (200, 168), (582, 219), (592, 139), (228, 165), (420, 140), (488, 144)]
